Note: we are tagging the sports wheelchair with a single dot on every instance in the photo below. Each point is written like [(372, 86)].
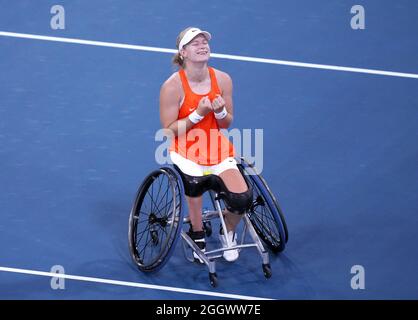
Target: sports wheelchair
[(157, 218)]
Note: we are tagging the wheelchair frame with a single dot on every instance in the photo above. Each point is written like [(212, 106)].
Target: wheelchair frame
[(251, 226), (209, 257)]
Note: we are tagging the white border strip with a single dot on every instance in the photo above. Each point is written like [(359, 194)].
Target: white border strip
[(214, 55), (130, 284)]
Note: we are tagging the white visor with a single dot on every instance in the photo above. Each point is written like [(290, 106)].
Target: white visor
[(190, 34)]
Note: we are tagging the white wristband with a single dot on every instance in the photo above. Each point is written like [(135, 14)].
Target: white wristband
[(221, 114), (195, 117)]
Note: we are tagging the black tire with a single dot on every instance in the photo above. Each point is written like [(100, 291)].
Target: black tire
[(156, 219), (265, 214)]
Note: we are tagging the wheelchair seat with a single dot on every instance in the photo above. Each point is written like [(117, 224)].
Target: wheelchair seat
[(235, 202)]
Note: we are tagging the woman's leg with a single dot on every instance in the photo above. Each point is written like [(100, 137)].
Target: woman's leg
[(194, 203), (196, 233), (195, 212), (234, 182)]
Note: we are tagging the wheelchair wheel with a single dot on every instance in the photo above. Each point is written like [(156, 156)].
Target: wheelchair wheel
[(156, 219), (265, 214)]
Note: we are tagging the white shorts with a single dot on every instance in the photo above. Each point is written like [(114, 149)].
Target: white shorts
[(193, 169)]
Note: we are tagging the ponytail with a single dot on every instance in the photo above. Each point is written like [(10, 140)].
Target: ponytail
[(178, 60)]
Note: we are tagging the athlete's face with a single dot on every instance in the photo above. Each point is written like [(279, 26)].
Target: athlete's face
[(197, 50)]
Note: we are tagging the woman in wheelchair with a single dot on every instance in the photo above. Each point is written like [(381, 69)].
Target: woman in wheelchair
[(195, 103)]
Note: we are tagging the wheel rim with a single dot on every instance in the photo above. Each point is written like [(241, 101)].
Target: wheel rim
[(263, 222), (154, 220), (266, 218)]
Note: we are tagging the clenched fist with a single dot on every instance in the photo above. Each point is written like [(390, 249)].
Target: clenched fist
[(218, 104), (204, 106)]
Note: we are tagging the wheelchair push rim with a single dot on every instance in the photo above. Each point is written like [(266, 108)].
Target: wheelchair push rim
[(265, 215), (155, 220)]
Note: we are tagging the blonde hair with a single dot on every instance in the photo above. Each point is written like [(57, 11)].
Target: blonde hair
[(178, 60)]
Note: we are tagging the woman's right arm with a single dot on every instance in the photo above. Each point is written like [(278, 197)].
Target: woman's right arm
[(170, 96)]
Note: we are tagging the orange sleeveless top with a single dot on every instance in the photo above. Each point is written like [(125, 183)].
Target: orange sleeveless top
[(203, 144)]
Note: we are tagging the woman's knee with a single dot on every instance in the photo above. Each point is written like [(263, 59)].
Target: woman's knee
[(239, 203), (234, 181), (238, 196)]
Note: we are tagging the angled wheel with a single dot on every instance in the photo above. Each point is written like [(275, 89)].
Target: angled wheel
[(213, 279), (156, 219), (267, 270), (265, 214)]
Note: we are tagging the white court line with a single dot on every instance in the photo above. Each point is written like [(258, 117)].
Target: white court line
[(131, 284), (214, 55)]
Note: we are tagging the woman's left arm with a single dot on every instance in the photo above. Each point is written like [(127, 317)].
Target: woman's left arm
[(224, 100)]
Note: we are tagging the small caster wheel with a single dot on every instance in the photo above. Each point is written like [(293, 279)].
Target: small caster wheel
[(207, 226), (213, 278), (267, 270), (154, 237)]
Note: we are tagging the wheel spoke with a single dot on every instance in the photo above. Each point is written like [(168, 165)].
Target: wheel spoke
[(267, 229), (156, 228), (152, 202), (158, 194), (142, 221), (146, 244), (143, 212), (261, 215), (166, 195), (167, 205), (142, 235), (143, 249), (155, 207)]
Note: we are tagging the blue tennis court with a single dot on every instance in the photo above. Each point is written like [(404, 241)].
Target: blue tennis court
[(77, 137)]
